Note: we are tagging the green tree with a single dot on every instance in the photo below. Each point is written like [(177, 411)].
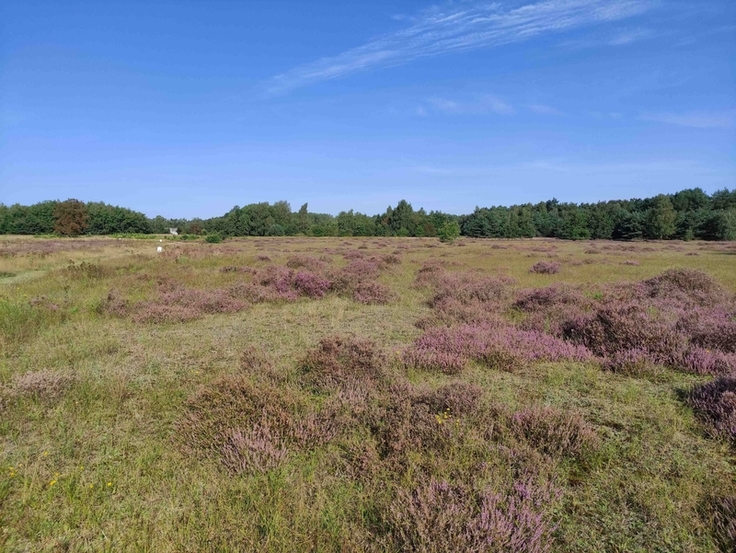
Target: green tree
[(302, 220), (574, 224), (661, 218), (449, 231)]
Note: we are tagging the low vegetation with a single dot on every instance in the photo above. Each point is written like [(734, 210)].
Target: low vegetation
[(367, 394)]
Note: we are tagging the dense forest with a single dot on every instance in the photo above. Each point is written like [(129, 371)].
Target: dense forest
[(686, 215)]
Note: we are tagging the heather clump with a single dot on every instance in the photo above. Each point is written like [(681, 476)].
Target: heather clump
[(716, 335), (681, 319), (703, 361), (155, 313), (464, 298), (714, 403), (254, 449), (546, 267), (548, 308), (254, 362), (310, 284), (408, 422), (721, 509), (113, 304), (372, 293), (287, 284), (341, 360), (185, 304), (313, 264), (635, 362), (449, 311), (469, 288), (539, 299), (502, 347), (248, 427), (687, 286), (44, 385), (202, 301), (438, 516), (88, 270), (458, 397), (351, 255), (608, 331), (363, 269), (429, 273), (554, 432)]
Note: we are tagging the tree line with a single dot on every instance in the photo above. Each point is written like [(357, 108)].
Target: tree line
[(686, 215)]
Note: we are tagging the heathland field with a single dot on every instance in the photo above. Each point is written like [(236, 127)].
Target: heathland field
[(307, 394)]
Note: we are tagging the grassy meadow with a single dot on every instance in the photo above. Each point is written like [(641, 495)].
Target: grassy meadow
[(377, 394)]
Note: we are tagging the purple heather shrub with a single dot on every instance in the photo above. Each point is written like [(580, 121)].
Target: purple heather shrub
[(249, 426), (433, 360), (687, 286), (114, 304), (698, 360), (457, 398), (430, 273), (256, 449), (438, 516), (152, 312), (363, 269), (630, 362), (715, 404), (407, 422), (719, 332), (546, 267), (554, 432), (353, 254), (722, 509), (339, 360), (255, 293), (544, 298), (372, 293), (43, 384), (309, 284), (502, 347), (449, 311), (202, 301), (625, 327), (471, 287), (312, 264)]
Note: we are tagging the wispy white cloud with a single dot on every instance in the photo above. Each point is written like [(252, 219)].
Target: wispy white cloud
[(629, 36), (565, 166), (460, 27), (541, 109), (486, 103), (700, 120), (613, 37)]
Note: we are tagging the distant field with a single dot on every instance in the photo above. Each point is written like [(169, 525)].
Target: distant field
[(377, 394)]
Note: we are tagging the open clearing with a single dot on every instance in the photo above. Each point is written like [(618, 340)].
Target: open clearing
[(385, 394)]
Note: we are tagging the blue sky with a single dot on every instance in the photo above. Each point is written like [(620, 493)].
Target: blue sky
[(188, 108)]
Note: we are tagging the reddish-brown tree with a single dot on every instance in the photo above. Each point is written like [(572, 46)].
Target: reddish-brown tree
[(70, 218)]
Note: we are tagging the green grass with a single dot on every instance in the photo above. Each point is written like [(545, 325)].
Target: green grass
[(97, 469)]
